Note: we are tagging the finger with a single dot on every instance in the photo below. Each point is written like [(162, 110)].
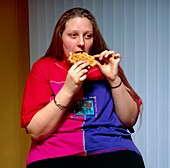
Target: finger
[(116, 56), (110, 53), (102, 54), (96, 56), (78, 66), (82, 78)]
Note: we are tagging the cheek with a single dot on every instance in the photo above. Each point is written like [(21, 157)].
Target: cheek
[(89, 45), (67, 47)]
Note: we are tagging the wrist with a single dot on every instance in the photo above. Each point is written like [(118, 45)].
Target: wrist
[(116, 83), (60, 106)]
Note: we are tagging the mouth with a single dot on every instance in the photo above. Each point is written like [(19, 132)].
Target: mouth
[(79, 51)]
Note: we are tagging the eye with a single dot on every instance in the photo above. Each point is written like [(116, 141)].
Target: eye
[(73, 35), (88, 36)]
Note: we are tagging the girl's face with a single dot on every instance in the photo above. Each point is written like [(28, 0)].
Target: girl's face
[(77, 36)]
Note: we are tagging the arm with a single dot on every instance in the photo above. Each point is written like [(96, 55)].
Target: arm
[(125, 106), (46, 120)]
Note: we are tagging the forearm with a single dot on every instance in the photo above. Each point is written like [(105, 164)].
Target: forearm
[(45, 121), (125, 107)]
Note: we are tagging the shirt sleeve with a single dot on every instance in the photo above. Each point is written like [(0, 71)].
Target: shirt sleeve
[(37, 92)]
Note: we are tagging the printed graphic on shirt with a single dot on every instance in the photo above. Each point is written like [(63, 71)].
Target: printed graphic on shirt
[(85, 107), (79, 109)]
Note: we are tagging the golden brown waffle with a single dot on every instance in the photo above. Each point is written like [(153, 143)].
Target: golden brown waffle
[(75, 57)]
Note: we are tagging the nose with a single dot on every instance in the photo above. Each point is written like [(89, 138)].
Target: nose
[(81, 41)]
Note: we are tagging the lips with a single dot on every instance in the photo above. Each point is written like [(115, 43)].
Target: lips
[(79, 52)]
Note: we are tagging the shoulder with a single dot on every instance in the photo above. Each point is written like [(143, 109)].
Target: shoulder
[(41, 68), (48, 67), (43, 62)]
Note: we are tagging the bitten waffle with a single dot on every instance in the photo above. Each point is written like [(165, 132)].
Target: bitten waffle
[(75, 57)]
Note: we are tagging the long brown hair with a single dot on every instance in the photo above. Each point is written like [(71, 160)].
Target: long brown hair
[(56, 46)]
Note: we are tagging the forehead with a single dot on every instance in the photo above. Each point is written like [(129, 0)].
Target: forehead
[(78, 22)]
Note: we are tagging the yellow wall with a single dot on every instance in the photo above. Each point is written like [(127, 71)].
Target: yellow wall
[(14, 68)]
